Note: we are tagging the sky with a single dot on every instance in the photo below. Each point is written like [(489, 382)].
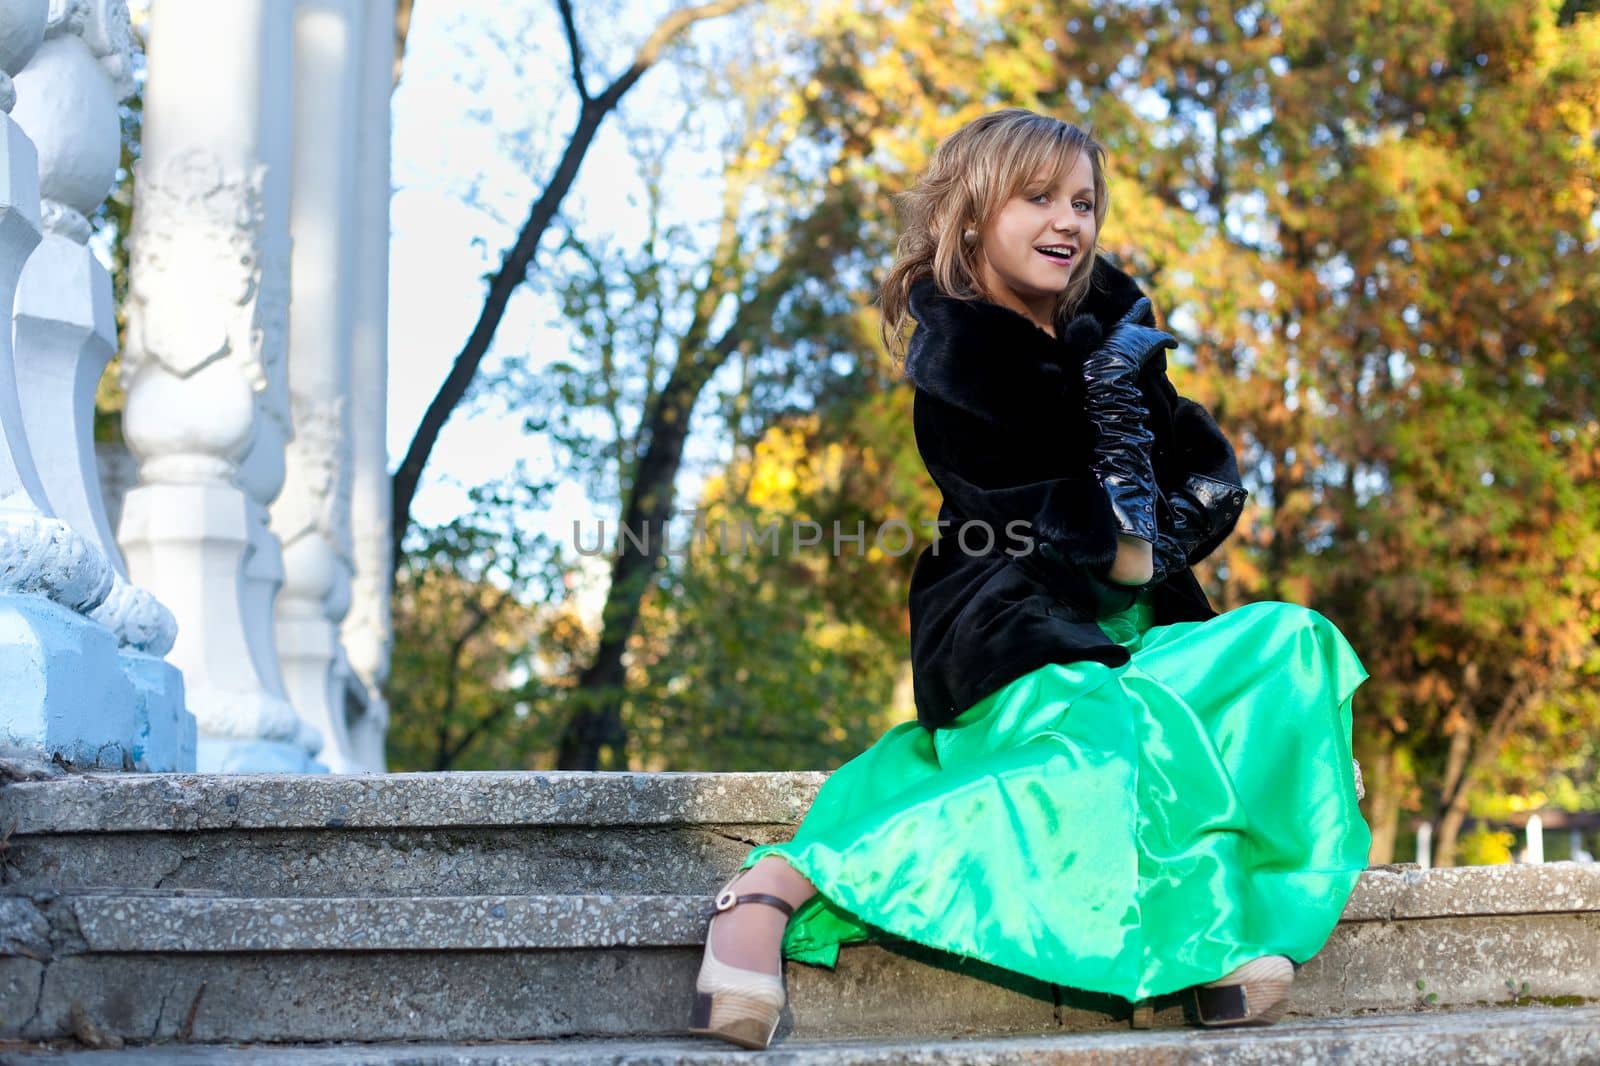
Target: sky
[(484, 106)]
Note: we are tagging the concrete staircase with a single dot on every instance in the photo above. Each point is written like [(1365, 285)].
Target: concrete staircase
[(571, 907)]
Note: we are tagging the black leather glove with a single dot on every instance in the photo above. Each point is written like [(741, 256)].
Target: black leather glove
[(1202, 510), (1207, 505), (1168, 556), (1115, 405)]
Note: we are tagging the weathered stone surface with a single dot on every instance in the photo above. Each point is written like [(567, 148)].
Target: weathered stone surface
[(20, 983), (101, 803), (394, 862), (1526, 1035), (1456, 961), (1540, 888), (27, 764), (449, 923), (117, 921), (560, 966), (494, 995), (515, 906), (532, 833), (623, 859), (23, 930)]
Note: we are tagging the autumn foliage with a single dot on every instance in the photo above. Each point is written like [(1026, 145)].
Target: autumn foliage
[(1372, 225)]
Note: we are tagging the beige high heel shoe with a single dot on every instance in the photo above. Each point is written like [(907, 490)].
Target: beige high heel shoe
[(740, 1006), (1257, 993)]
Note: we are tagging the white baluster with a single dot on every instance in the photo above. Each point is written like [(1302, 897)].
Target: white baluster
[(65, 334), (311, 515), (21, 33), (367, 628), (1535, 834), (1425, 845), (203, 370), (65, 693)]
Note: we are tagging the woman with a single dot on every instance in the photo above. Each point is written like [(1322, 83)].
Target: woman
[(1108, 786)]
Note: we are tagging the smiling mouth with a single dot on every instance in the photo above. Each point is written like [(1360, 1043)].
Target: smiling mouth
[(1060, 254)]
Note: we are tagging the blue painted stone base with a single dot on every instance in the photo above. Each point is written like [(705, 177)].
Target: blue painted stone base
[(230, 755), (164, 738), (62, 687)]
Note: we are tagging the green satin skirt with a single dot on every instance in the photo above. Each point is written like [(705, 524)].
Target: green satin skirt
[(1128, 830)]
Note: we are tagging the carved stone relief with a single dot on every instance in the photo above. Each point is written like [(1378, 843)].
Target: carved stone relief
[(197, 233)]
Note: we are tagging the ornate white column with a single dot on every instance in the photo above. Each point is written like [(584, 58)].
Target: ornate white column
[(367, 629), (264, 468), (65, 334), (21, 33), (64, 689), (204, 362), (311, 515)]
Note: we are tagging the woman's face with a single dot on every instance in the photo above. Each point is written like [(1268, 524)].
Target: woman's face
[(1013, 269)]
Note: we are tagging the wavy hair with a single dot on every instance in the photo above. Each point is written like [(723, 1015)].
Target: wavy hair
[(972, 174)]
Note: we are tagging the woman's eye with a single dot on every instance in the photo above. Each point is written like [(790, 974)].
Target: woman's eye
[(1039, 196), (1087, 206)]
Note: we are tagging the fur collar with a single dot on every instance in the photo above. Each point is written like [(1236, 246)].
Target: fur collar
[(989, 359)]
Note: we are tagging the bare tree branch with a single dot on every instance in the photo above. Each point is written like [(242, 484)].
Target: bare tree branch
[(514, 267), (570, 25)]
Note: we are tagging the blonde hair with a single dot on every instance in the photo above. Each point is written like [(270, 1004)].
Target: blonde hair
[(973, 173)]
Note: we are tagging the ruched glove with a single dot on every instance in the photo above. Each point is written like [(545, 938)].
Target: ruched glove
[(1115, 406), (1202, 509), (1206, 505)]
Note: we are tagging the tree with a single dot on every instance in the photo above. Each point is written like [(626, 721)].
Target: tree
[(758, 654), (518, 258), (1382, 232), (1376, 237), (484, 638)]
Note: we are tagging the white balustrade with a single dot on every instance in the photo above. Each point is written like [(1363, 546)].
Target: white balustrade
[(204, 371), (21, 33), (65, 692), (65, 334), (253, 434)]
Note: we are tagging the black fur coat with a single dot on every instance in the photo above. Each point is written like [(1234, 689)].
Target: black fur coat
[(1000, 423)]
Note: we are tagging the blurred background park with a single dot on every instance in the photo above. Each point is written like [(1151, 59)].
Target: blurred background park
[(635, 249)]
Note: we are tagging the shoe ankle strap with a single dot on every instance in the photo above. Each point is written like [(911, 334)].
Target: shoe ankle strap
[(726, 901)]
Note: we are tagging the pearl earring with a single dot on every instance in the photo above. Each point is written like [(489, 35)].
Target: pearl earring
[(969, 235)]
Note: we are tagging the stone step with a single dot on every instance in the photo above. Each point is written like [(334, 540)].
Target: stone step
[(381, 907), (101, 803), (1543, 1035), (396, 834), (480, 833), (208, 968), (122, 920)]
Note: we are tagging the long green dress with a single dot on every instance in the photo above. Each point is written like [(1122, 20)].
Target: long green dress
[(1129, 830)]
